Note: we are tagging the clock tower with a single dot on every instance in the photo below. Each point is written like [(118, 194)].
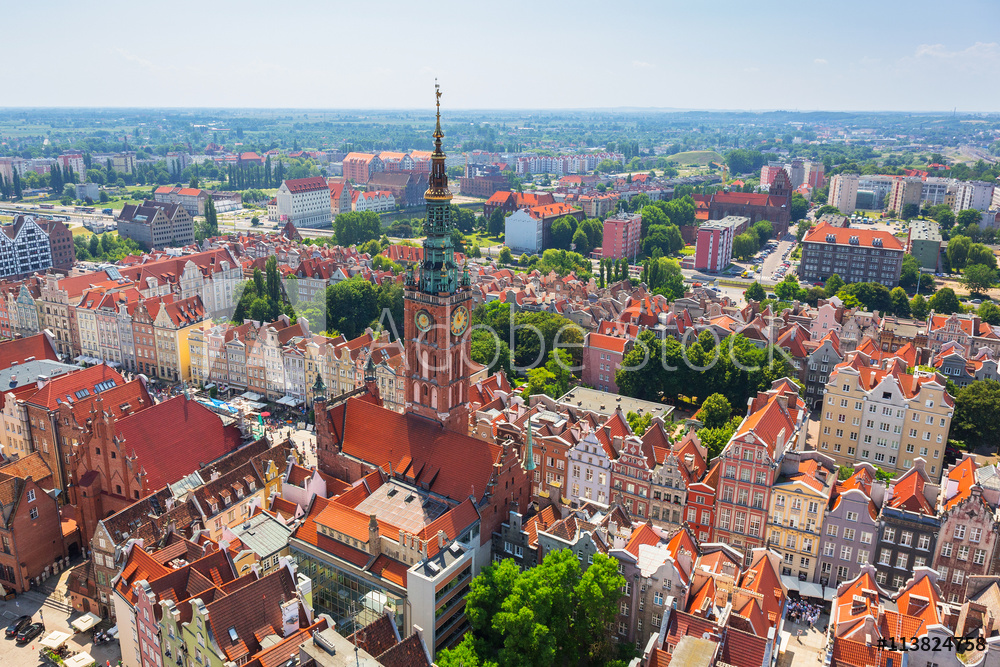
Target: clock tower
[(438, 311)]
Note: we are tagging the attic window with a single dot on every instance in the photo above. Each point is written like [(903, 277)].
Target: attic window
[(886, 395), (83, 393), (104, 386), (233, 636)]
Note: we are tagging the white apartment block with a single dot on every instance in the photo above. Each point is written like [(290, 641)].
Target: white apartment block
[(973, 194), (844, 192), (305, 202)]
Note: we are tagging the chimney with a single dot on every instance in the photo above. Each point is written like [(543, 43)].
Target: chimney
[(374, 540)]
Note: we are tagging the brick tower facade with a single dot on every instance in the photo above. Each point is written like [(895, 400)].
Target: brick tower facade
[(438, 312)]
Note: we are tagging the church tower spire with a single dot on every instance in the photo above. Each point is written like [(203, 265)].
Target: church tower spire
[(437, 308)]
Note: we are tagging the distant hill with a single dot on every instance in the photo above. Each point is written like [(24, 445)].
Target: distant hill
[(700, 158)]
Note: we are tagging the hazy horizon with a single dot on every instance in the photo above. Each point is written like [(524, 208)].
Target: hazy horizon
[(656, 55)]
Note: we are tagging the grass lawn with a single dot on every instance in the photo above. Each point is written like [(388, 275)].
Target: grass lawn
[(686, 251), (482, 240), (700, 158)]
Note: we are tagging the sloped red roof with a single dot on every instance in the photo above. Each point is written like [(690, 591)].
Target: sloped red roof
[(963, 475), (361, 426), (296, 185), (820, 232), (908, 493), (610, 343), (63, 388), (174, 438), (19, 350), (644, 534)]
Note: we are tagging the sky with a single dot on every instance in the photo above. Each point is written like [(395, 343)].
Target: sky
[(878, 55)]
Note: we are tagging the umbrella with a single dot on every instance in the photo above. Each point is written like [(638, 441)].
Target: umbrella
[(265, 414)]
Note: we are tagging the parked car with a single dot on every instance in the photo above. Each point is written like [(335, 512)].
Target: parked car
[(29, 633), (17, 625)]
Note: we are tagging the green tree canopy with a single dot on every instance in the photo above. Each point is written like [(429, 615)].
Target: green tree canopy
[(944, 302), (977, 414), (799, 207), (978, 278), (958, 251), (355, 228), (918, 307), (833, 285), (715, 411), (873, 296), (755, 293), (900, 302), (989, 312)]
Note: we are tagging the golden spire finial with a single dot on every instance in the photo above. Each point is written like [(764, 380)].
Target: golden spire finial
[(437, 94)]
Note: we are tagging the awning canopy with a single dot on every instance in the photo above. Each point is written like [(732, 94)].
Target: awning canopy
[(250, 396), (80, 660), (113, 364), (86, 622), (290, 401), (810, 590), (56, 640), (829, 593), (80, 358), (791, 583)]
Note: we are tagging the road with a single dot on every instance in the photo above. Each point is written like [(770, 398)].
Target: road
[(773, 261)]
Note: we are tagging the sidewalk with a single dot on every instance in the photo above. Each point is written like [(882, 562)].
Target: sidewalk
[(807, 649)]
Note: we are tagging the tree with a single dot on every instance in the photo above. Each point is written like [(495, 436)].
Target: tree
[(900, 302), (495, 225), (802, 229), (356, 228), (982, 255), (969, 216), (581, 242), (562, 232), (755, 293), (944, 302), (918, 307), (989, 312), (799, 207), (764, 231), (910, 273), (745, 246), (787, 289), (978, 278), (639, 423), (910, 211), (958, 251), (505, 256), (715, 439), (827, 209), (552, 379), (715, 411), (665, 238), (873, 296), (211, 218), (652, 215), (977, 414), (69, 191), (255, 221)]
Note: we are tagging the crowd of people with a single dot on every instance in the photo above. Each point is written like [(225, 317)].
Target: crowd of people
[(800, 611)]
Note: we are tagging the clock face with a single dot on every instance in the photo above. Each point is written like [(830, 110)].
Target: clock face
[(459, 320), (423, 320)]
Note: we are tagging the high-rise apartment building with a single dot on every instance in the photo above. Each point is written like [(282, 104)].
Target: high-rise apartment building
[(844, 192), (621, 236)]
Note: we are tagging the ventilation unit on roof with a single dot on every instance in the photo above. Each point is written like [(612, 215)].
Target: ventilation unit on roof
[(409, 497), (433, 567)]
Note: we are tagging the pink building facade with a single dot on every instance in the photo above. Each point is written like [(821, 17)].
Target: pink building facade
[(602, 356), (621, 236), (714, 248)]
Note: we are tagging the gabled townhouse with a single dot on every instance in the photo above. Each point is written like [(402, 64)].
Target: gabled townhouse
[(883, 414), (864, 613), (31, 538), (955, 365), (632, 476), (588, 530), (968, 538), (751, 462), (851, 526), (821, 362), (656, 566), (590, 470), (731, 617), (700, 505), (679, 466), (909, 527), (799, 499), (517, 537)]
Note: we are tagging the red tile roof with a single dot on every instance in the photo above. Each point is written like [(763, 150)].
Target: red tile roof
[(610, 343), (961, 479), (644, 534), (819, 233), (63, 388), (297, 185), (174, 438), (431, 449), (908, 493), (390, 570), (19, 350), (849, 653)]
